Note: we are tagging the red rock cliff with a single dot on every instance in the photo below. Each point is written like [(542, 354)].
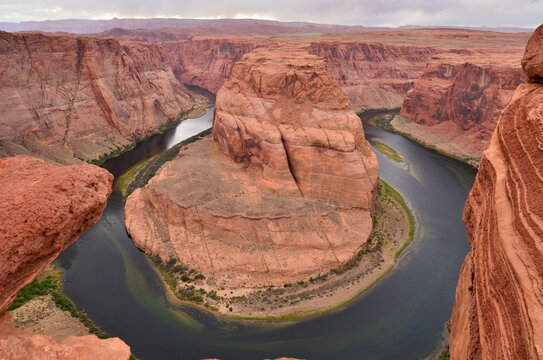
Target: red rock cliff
[(374, 75), (66, 97), (284, 192), (43, 209), (458, 100), (498, 310), (288, 116), (206, 63)]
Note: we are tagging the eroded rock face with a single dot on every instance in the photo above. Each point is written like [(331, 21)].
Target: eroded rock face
[(498, 311), (458, 100), (286, 115), (44, 208), (67, 98), (207, 63), (532, 62), (282, 192), (374, 75)]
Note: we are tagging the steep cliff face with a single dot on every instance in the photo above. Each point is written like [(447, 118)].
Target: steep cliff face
[(66, 97), (456, 102), (207, 63), (375, 70), (374, 75), (498, 311), (43, 210), (284, 192), (286, 115)]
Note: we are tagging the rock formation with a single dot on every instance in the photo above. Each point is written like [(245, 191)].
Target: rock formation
[(207, 63), (66, 98), (17, 344), (374, 75), (498, 311), (283, 191), (456, 102), (375, 69), (43, 210)]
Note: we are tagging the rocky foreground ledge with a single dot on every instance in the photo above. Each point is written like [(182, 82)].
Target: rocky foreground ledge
[(498, 311), (283, 191), (44, 209)]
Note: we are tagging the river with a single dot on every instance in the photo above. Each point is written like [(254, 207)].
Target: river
[(402, 317)]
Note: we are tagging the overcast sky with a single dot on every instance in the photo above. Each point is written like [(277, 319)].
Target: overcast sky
[(517, 13)]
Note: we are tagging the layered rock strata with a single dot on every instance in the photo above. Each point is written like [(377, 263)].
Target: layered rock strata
[(498, 310), (375, 70), (67, 98), (374, 75), (455, 104), (207, 63), (43, 210), (283, 191)]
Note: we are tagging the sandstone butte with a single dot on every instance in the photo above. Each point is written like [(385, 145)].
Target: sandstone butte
[(498, 310), (283, 190), (71, 98), (43, 209)]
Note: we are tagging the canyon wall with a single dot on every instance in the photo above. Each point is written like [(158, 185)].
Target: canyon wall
[(374, 75), (43, 210), (375, 70), (455, 104), (67, 98), (206, 63), (498, 310), (283, 191)]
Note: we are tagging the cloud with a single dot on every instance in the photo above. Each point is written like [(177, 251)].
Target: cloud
[(522, 13)]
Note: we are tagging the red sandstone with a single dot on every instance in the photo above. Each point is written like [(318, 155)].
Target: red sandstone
[(44, 209), (67, 98), (498, 310), (284, 192)]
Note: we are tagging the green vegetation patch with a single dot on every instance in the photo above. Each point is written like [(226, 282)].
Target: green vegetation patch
[(49, 283), (445, 355), (171, 270), (122, 183), (385, 188), (382, 121), (113, 153), (387, 151)]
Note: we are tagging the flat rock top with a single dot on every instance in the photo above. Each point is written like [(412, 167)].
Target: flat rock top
[(202, 176)]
